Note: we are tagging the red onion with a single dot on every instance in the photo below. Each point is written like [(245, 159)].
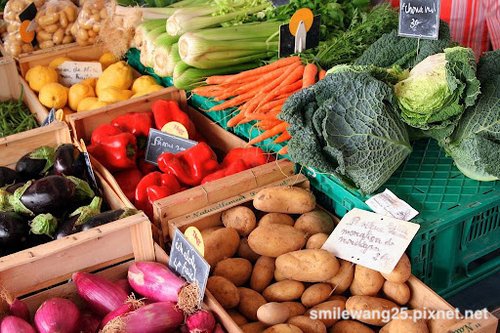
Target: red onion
[(57, 315), (88, 323), (130, 305), (16, 307), (219, 329), (201, 321), (13, 324), (158, 317), (102, 295)]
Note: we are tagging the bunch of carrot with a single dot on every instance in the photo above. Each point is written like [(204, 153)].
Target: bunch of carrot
[(260, 93)]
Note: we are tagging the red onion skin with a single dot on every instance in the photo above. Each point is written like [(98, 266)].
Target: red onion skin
[(155, 281), (19, 309), (124, 309), (158, 317), (57, 315), (218, 329), (202, 321), (102, 295), (88, 323), (13, 324)]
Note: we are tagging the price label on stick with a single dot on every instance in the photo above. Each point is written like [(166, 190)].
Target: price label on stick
[(371, 240), (188, 262), (160, 142), (300, 34), (419, 18)]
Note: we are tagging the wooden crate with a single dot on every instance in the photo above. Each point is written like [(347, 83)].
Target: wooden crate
[(219, 139), (422, 296)]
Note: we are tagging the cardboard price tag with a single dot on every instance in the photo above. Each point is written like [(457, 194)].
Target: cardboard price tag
[(419, 18), (160, 142), (388, 204), (72, 72), (371, 240)]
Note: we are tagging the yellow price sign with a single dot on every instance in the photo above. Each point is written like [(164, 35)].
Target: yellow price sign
[(193, 235)]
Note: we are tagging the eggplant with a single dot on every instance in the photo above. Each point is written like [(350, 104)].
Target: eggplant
[(36, 163), (69, 161), (106, 217), (67, 228), (14, 229), (78, 217), (47, 195), (8, 176)]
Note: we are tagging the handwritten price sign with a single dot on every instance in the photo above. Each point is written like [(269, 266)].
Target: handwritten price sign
[(72, 72), (419, 18)]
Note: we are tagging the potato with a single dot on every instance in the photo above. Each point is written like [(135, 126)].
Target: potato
[(284, 291), (283, 328), (401, 272), (220, 244), (240, 218), (236, 270), (237, 317), (278, 276), (307, 325), (316, 241), (296, 308), (208, 231), (327, 312), (315, 294), (276, 239), (224, 291), (255, 327), (276, 218), (244, 251), (343, 279), (311, 265), (366, 282), (317, 221), (273, 313), (337, 298), (405, 324), (377, 306), (281, 199), (397, 292), (250, 302), (262, 273), (350, 326)]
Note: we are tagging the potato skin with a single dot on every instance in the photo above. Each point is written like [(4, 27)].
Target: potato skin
[(262, 274), (255, 327), (224, 291), (237, 317), (310, 265), (334, 308), (317, 221), (350, 326), (343, 279), (316, 241), (283, 328), (315, 294), (245, 252), (276, 218), (366, 282), (276, 239), (240, 218), (405, 325), (283, 291), (368, 303), (307, 325), (236, 270), (281, 199), (250, 302), (220, 244), (296, 308), (273, 313), (401, 272), (399, 293)]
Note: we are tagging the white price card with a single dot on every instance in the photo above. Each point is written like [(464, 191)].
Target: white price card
[(371, 240), (72, 72), (388, 204)]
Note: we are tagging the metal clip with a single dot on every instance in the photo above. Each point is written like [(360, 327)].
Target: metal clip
[(300, 38)]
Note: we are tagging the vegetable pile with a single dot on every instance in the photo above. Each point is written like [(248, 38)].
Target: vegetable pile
[(152, 300), (15, 117), (47, 196), (120, 147)]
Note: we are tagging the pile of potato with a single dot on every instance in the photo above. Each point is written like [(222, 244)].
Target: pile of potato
[(270, 273), (54, 23), (89, 22)]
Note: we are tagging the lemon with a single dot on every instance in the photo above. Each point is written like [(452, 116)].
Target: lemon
[(58, 61), (107, 59), (77, 92), (91, 81), (142, 83), (62, 114), (148, 90), (90, 103), (113, 95), (53, 95), (39, 76), (118, 75)]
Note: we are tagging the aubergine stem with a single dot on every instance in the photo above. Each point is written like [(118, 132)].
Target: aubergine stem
[(4, 201), (44, 224), (15, 200), (83, 189), (44, 153), (86, 212)]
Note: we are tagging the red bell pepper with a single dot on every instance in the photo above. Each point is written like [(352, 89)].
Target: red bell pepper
[(152, 187), (146, 167), (128, 180), (165, 111), (252, 156), (228, 170), (113, 148), (137, 123), (190, 166)]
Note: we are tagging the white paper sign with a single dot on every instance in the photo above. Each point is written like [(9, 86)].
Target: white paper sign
[(72, 72), (371, 240), (388, 204)]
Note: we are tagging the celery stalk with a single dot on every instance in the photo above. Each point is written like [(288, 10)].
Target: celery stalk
[(144, 28)]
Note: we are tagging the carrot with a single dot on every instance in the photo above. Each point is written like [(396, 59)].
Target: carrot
[(309, 77), (322, 74), (271, 105), (269, 133), (262, 116), (207, 90), (236, 119), (238, 100), (283, 151), (286, 87), (283, 62), (267, 124), (285, 136)]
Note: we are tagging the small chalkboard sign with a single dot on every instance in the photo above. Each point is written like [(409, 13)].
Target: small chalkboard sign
[(278, 3), (419, 18), (160, 142), (287, 40), (50, 118), (188, 263)]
